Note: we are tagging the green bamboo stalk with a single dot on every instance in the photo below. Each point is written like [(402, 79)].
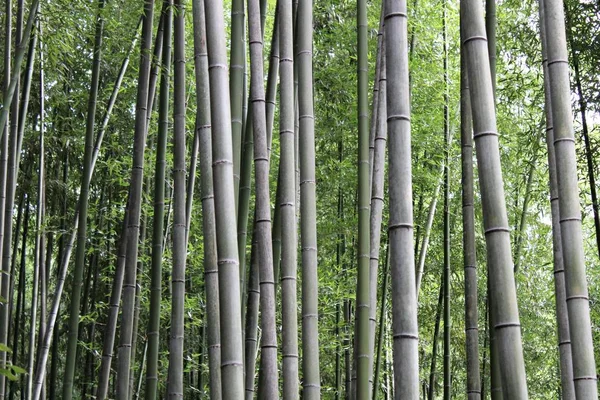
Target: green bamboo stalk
[(362, 328), (582, 347), (151, 386), (447, 276), (224, 201), (71, 356), (175, 387), (562, 316), (133, 224), (402, 263), (503, 296)]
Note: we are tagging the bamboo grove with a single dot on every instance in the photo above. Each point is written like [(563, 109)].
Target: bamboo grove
[(295, 199)]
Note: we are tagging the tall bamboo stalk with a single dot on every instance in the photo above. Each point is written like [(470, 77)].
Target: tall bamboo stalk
[(287, 201), (203, 128), (308, 203), (228, 261), (402, 263), (133, 224), (71, 357), (151, 387), (268, 374), (237, 92), (562, 316), (447, 276), (362, 329), (377, 195), (495, 220), (584, 365), (175, 387), (469, 254)]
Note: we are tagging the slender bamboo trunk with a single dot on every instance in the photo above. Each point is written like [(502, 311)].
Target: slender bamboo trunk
[(236, 88), (251, 332), (224, 202), (38, 266), (287, 202), (427, 233), (402, 261), (268, 374), (175, 387), (562, 316), (363, 298), (502, 286), (71, 357), (469, 254), (382, 324), (584, 365), (308, 212), (133, 224), (436, 335), (377, 195), (3, 173), (19, 317), (151, 387), (203, 128), (447, 267)]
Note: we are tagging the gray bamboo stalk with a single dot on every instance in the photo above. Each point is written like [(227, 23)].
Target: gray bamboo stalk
[(286, 202), (38, 265), (71, 356), (133, 225), (562, 316), (308, 204), (362, 351), (10, 182), (236, 90), (584, 365), (495, 220), (376, 99), (175, 387), (377, 195), (113, 315), (4, 147), (151, 386), (402, 263), (268, 373), (232, 368), (203, 128), (382, 324), (436, 336), (469, 253), (447, 275), (251, 332)]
